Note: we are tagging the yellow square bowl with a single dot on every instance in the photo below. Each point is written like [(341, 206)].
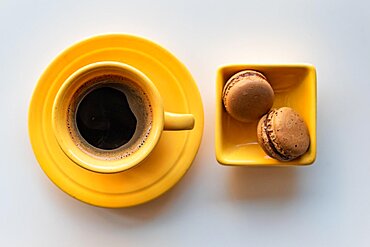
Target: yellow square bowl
[(294, 86)]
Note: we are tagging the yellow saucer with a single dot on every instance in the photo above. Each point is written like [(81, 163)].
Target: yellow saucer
[(170, 159)]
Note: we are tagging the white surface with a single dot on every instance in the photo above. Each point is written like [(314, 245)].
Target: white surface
[(326, 204)]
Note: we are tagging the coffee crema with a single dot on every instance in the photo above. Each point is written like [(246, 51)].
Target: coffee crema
[(109, 117)]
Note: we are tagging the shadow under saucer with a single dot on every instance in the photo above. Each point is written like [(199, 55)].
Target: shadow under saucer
[(141, 214)]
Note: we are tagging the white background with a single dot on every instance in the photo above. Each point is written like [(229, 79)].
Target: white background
[(327, 204)]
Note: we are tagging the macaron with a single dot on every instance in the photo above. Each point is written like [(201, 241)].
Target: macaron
[(247, 96), (283, 134)]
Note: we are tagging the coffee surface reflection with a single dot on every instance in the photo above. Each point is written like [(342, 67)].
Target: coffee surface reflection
[(104, 118)]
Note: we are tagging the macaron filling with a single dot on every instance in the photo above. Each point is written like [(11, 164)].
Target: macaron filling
[(270, 142)]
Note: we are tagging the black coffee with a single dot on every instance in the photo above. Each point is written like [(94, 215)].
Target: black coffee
[(104, 118), (109, 117)]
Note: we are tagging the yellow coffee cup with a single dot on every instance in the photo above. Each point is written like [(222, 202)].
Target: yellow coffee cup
[(92, 105)]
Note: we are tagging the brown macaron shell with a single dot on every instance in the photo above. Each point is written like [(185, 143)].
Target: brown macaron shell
[(263, 140), (239, 76), (247, 96), (289, 133), (283, 134)]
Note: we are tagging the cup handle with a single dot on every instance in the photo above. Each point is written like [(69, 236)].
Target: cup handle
[(176, 121)]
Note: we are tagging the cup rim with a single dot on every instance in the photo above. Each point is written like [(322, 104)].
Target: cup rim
[(64, 139)]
